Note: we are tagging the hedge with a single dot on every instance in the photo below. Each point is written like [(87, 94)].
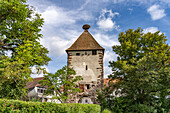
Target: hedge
[(16, 106)]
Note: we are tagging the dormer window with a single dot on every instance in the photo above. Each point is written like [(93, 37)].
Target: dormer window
[(94, 52)]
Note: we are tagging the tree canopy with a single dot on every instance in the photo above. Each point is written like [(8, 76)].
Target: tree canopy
[(62, 84), (20, 47), (142, 70)]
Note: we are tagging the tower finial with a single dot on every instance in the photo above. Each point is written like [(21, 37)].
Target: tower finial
[(86, 27)]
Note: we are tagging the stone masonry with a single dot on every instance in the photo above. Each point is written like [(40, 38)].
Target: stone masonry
[(85, 56)]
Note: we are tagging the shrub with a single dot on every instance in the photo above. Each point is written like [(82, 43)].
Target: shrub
[(16, 106), (106, 111)]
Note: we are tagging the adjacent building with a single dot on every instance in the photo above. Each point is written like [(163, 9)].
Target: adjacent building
[(36, 91)]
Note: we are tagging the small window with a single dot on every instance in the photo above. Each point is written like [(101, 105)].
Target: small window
[(39, 91), (45, 99), (88, 86), (77, 54), (85, 53), (94, 52), (86, 67), (86, 101)]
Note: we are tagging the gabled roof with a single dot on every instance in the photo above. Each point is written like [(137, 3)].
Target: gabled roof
[(85, 42), (34, 82)]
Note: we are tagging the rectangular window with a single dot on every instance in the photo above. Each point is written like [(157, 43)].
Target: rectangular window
[(94, 52), (88, 86), (77, 54), (39, 91), (86, 101), (86, 67)]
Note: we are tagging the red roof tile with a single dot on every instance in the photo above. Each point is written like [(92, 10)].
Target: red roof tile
[(106, 81), (34, 82)]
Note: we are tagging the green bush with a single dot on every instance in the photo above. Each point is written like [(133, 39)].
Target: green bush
[(16, 106), (106, 111)]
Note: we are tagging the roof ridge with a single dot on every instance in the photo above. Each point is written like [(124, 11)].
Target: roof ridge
[(85, 42)]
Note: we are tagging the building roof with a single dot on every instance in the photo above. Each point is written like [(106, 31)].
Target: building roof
[(85, 41), (34, 82), (107, 81)]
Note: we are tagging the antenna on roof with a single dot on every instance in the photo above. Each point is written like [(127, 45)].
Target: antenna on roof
[(86, 27)]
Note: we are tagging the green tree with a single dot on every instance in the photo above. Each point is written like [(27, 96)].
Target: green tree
[(62, 84), (19, 36), (142, 68)]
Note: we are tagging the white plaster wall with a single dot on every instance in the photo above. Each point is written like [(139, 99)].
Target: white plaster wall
[(84, 100), (79, 65), (53, 100), (32, 92)]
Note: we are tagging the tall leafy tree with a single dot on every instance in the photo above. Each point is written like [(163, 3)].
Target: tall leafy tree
[(20, 47), (142, 68), (62, 84)]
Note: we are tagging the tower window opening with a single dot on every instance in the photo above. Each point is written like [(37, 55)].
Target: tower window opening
[(94, 52), (86, 67), (88, 86), (77, 54)]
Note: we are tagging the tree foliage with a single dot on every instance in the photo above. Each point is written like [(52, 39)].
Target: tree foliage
[(142, 68), (62, 84), (19, 37)]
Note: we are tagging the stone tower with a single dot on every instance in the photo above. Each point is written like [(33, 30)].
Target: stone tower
[(85, 56)]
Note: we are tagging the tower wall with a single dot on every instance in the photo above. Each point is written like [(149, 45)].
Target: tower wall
[(90, 67), (85, 56)]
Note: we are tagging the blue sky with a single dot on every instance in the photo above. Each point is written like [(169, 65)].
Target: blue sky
[(64, 20)]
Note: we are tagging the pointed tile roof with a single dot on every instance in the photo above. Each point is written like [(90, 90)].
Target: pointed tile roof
[(85, 41)]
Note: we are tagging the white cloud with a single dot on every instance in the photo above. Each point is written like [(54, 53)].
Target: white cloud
[(107, 71), (150, 29), (56, 45), (156, 12), (8, 53), (106, 23), (35, 72), (108, 56), (105, 20), (57, 16), (118, 1), (106, 40), (84, 5), (130, 10)]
